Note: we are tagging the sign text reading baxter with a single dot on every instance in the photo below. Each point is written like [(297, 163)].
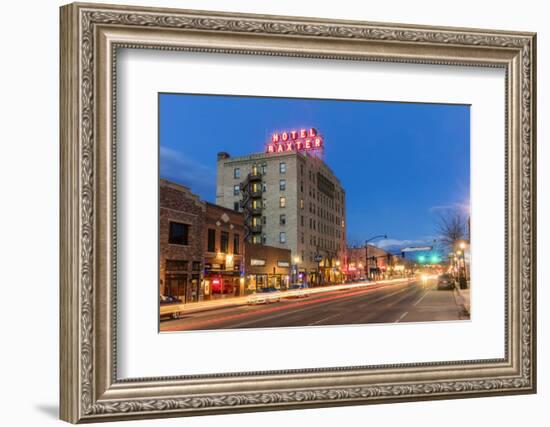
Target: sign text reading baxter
[(295, 140)]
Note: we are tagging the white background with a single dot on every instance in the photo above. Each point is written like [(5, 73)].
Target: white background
[(29, 170), (140, 345)]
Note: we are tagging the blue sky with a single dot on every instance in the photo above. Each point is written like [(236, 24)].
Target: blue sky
[(400, 163)]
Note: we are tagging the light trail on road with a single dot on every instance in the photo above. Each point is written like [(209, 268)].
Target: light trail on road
[(288, 306)]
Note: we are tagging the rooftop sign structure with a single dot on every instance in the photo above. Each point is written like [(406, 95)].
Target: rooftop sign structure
[(295, 140)]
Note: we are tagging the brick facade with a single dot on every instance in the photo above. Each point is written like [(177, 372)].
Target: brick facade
[(224, 263), (181, 264)]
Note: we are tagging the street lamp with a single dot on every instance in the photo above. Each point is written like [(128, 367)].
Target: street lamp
[(379, 236)]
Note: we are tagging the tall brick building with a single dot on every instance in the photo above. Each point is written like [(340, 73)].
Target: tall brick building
[(202, 251), (292, 200)]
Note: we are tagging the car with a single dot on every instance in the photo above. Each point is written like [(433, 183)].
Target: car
[(445, 282), (265, 295), (294, 286), (296, 289), (169, 299)]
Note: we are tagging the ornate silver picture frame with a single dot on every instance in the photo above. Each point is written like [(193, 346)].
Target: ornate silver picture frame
[(91, 35)]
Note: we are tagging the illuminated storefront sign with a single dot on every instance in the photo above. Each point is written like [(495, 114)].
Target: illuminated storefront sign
[(295, 140)]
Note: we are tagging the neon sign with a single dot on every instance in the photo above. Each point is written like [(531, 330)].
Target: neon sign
[(295, 140)]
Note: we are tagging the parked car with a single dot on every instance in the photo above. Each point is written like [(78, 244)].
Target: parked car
[(294, 286), (445, 281), (169, 299)]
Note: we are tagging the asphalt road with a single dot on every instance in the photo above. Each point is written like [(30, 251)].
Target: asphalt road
[(402, 302)]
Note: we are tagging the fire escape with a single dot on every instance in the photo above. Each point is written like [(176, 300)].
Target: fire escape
[(251, 203)]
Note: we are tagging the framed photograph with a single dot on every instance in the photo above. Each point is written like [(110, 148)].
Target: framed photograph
[(267, 212)]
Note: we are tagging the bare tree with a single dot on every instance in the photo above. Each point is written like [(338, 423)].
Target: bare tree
[(452, 226)]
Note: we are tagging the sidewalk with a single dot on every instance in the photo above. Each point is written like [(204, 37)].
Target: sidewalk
[(463, 298)]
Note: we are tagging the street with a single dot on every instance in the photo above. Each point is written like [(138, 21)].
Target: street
[(411, 301)]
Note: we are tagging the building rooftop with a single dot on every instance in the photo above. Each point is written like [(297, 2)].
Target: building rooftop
[(226, 158)]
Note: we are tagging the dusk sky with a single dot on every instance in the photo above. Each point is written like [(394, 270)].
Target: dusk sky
[(399, 163)]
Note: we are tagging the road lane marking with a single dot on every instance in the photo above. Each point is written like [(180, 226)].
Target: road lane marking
[(401, 318), (322, 320), (421, 298)]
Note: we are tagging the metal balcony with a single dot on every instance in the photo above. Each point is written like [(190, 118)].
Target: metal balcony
[(254, 229), (254, 177)]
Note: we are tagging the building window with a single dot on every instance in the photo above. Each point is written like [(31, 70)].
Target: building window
[(178, 234), (282, 219), (302, 220), (282, 237), (282, 167), (236, 242), (282, 184), (264, 187), (211, 240), (301, 203), (256, 239), (196, 266), (236, 190), (264, 203), (264, 220), (236, 173), (236, 206), (282, 202), (224, 242), (254, 170), (264, 239), (301, 186), (264, 168)]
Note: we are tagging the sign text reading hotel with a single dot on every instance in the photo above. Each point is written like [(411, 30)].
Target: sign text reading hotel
[(295, 140)]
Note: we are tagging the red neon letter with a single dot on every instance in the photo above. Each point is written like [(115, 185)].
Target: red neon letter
[(289, 146), (280, 148), (293, 134), (270, 148), (318, 142), (312, 132), (303, 133), (308, 144), (298, 145), (285, 136), (275, 137)]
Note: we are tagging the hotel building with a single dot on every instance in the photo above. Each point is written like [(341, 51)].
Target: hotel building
[(290, 199)]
